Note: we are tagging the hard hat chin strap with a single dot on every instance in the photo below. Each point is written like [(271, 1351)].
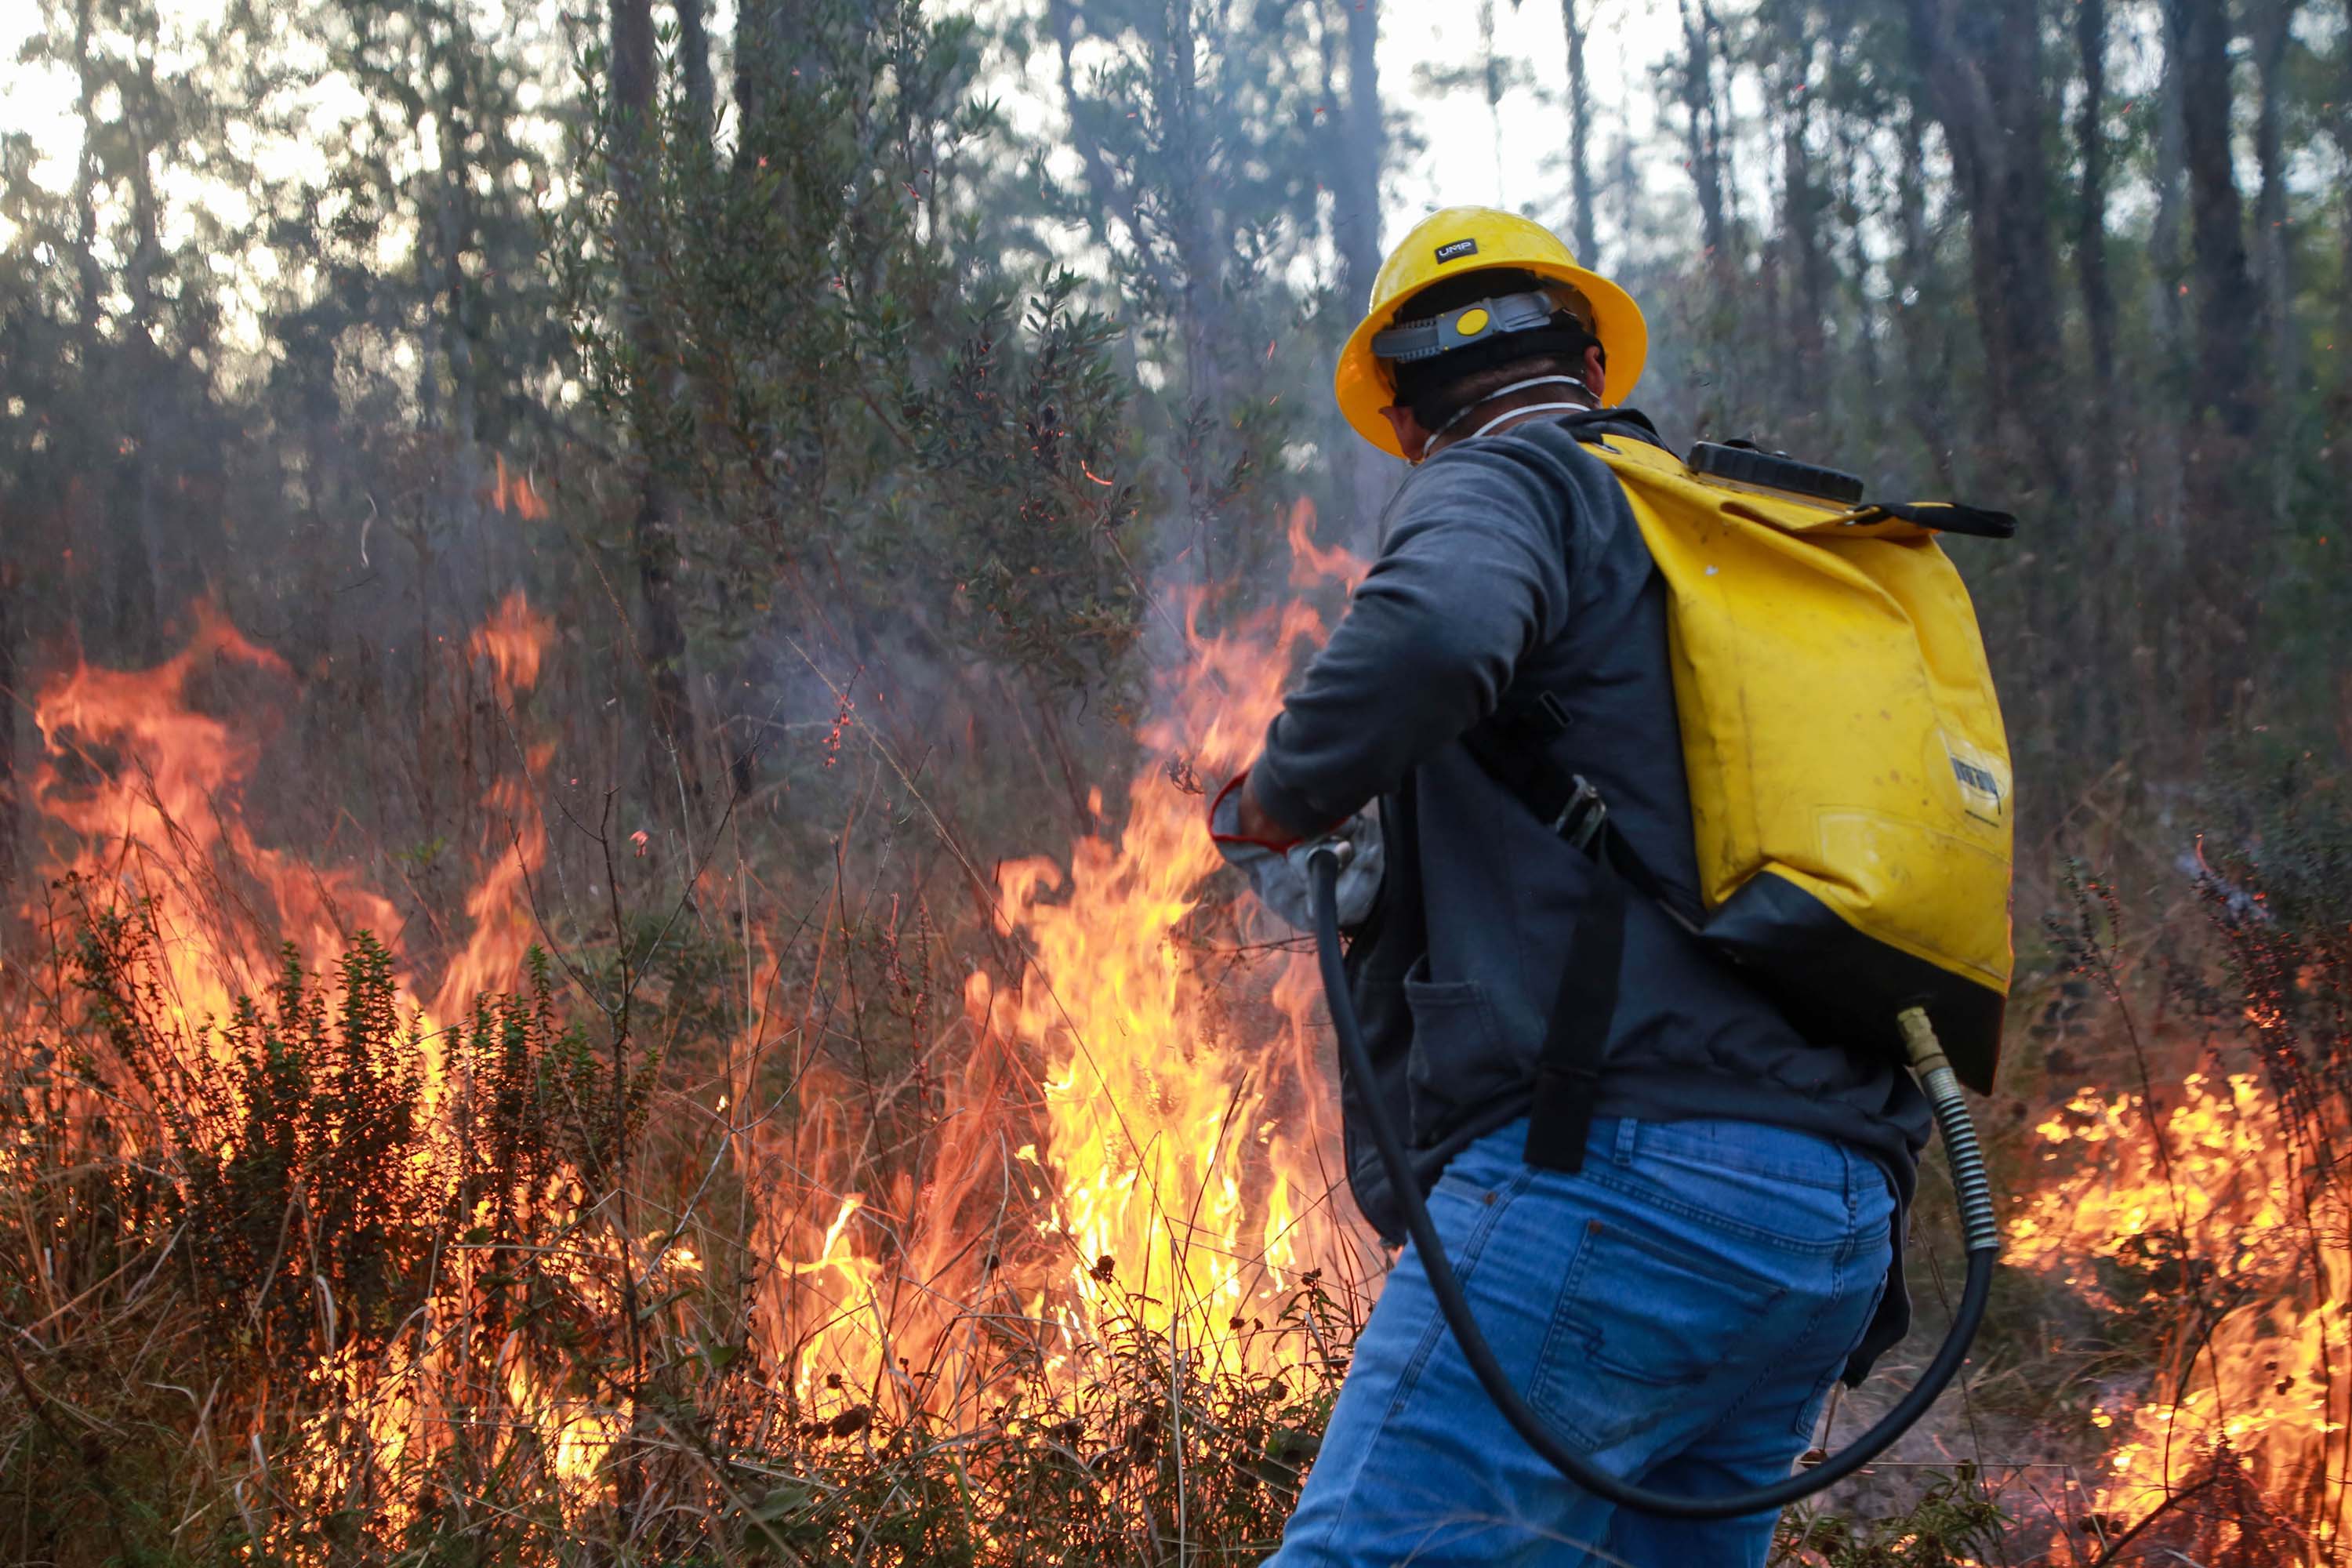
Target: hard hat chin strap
[(1461, 413)]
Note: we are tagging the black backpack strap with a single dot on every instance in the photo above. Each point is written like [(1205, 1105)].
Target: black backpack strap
[(1568, 1069), (1949, 517), (1514, 749)]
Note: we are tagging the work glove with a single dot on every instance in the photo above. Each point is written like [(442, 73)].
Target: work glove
[(1280, 875)]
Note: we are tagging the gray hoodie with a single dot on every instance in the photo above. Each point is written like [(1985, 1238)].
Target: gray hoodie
[(1511, 565)]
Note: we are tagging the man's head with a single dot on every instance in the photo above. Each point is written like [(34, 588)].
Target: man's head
[(1472, 302), (1543, 379), (1550, 354)]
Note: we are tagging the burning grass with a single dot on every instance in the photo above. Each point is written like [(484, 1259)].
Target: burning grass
[(655, 1237), (279, 1298), (885, 1237)]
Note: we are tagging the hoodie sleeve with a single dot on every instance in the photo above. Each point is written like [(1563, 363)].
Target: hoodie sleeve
[(1474, 572)]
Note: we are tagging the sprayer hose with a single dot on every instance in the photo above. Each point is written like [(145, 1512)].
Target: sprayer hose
[(1982, 1232)]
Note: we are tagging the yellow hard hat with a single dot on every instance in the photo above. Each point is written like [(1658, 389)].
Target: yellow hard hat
[(1448, 244)]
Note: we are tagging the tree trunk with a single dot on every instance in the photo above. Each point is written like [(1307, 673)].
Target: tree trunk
[(2273, 22), (2166, 262), (1200, 259), (1113, 197), (1580, 136), (694, 59), (757, 47), (12, 698), (2091, 220), (1809, 268), (1851, 199), (1981, 66), (2102, 503), (2338, 405), (2228, 309), (91, 282), (1704, 132), (1356, 173), (1624, 179), (1367, 477), (2225, 409), (150, 411), (1924, 379), (452, 226), (652, 544)]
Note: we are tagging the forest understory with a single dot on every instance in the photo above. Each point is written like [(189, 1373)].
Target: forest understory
[(992, 1219), (616, 620)]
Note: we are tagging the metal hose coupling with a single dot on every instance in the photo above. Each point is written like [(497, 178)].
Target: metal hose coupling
[(1978, 1224)]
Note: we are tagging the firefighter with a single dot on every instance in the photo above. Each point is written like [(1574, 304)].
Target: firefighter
[(1727, 1247)]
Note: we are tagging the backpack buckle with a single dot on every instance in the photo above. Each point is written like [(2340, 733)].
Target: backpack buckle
[(1582, 819)]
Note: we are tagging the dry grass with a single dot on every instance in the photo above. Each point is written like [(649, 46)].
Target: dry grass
[(271, 1298)]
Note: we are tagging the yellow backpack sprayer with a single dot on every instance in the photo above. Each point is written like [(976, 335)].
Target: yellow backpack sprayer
[(1850, 793)]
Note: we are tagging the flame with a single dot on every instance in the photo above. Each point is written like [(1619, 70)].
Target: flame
[(1178, 1206), (2225, 1226), (511, 642), (1184, 1169), (1126, 1147), (514, 492), (145, 785), (141, 789)]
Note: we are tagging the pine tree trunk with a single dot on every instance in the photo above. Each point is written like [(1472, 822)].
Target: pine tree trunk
[(2274, 20), (450, 234), (1200, 257), (1801, 200), (1491, 67), (1851, 200), (2102, 642), (1113, 198), (152, 392), (1580, 136), (1981, 66), (694, 60), (772, 45), (2100, 636), (652, 544), (91, 283), (13, 696), (757, 49), (1705, 145), (1924, 381), (2225, 410), (2338, 404), (1367, 477), (2091, 225), (2228, 309)]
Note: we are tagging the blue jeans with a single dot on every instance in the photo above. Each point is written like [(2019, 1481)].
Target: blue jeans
[(1679, 1309)]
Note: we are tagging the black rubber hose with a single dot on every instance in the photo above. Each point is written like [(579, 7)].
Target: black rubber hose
[(1983, 1239)]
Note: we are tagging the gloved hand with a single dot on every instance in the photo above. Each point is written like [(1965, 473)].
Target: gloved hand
[(1280, 875)]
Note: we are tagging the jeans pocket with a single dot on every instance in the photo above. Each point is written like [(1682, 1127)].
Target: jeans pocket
[(1642, 1321)]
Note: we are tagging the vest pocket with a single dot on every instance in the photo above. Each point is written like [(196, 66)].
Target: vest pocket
[(1454, 1066)]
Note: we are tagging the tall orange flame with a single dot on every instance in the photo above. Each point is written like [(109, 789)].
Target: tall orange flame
[(1129, 1148), (1185, 1170)]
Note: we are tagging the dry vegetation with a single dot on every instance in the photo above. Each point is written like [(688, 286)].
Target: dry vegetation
[(665, 1239), (606, 954)]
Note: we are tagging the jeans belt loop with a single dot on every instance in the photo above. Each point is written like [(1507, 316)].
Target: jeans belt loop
[(1627, 1128)]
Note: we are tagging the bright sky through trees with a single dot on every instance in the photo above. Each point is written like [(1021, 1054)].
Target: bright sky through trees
[(1429, 58)]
